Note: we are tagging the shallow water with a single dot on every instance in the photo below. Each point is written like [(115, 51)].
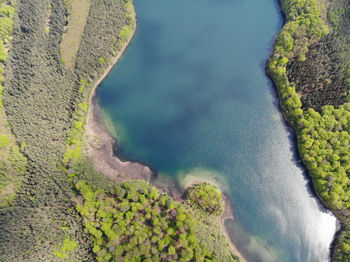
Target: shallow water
[(190, 98)]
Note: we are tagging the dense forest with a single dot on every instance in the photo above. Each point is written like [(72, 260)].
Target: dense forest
[(12, 162), (134, 220), (54, 205), (310, 66)]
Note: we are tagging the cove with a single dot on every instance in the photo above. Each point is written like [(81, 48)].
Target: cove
[(190, 98)]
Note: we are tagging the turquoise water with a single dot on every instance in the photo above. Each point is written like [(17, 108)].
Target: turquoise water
[(190, 98)]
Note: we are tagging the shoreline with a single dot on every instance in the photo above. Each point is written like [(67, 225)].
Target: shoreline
[(293, 130), (227, 214), (109, 165), (101, 142), (320, 201)]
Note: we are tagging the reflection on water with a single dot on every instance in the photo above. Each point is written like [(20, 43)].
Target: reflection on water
[(253, 248), (190, 98), (256, 249)]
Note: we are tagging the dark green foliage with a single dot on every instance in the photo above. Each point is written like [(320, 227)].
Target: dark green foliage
[(12, 162), (40, 96), (304, 26), (323, 78), (37, 82), (37, 98), (320, 79), (99, 30), (207, 197), (342, 252), (135, 222)]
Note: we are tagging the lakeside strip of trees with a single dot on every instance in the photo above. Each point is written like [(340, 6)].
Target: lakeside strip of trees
[(323, 135)]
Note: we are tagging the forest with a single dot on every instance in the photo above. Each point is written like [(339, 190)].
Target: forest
[(134, 220), (12, 162)]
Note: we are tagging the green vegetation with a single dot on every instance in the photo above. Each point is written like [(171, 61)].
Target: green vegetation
[(209, 231), (40, 96), (304, 26), (204, 201), (68, 246), (4, 141), (88, 63), (103, 56), (97, 61), (313, 75), (324, 146), (7, 10), (12, 162), (78, 14), (334, 17), (75, 136), (134, 221), (206, 197), (12, 167), (323, 78), (342, 249)]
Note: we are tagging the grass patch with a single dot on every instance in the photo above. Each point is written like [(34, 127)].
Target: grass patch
[(78, 14), (4, 141), (68, 247)]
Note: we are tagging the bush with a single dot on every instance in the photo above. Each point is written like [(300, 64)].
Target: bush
[(207, 197)]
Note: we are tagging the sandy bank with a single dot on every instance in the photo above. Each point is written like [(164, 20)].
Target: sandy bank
[(101, 143)]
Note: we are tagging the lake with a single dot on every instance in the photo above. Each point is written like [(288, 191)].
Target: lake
[(190, 98)]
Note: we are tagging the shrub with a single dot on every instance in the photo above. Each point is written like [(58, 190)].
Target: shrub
[(207, 197)]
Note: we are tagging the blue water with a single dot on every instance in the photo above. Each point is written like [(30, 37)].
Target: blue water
[(190, 98)]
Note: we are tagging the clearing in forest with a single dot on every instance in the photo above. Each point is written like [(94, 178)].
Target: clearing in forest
[(78, 14)]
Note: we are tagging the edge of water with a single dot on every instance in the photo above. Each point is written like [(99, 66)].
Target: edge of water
[(95, 126)]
